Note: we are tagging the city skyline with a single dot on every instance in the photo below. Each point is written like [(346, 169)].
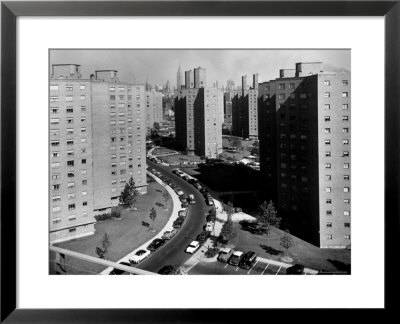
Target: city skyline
[(218, 62)]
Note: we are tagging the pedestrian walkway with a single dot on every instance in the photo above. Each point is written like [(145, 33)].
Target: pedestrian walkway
[(168, 227)]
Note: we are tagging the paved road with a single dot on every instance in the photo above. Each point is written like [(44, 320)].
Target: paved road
[(174, 251)]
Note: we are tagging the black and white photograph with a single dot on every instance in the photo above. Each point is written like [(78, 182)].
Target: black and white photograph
[(199, 161)]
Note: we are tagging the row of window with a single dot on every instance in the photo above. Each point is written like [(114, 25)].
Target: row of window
[(345, 213), (68, 87), (70, 218), (69, 142), (57, 209), (69, 120), (70, 196), (330, 225), (329, 165), (70, 163), (67, 98), (328, 130), (70, 185), (330, 237), (329, 189), (329, 201), (70, 174), (68, 109)]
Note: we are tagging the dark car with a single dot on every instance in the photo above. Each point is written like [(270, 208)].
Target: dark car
[(186, 178), (185, 204), (248, 260), (296, 269), (178, 222), (211, 218), (202, 237), (192, 181), (203, 191), (116, 271), (155, 244), (167, 270)]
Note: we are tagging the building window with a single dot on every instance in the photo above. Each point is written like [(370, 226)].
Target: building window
[(72, 230), (347, 237), (346, 213), (327, 154), (70, 174), (83, 161), (327, 82), (345, 118), (345, 106), (328, 177), (327, 130), (346, 165), (71, 206), (347, 225), (281, 96), (346, 189), (56, 221), (345, 142), (112, 97), (345, 94), (84, 182), (53, 87), (329, 225), (346, 201), (83, 129), (327, 118), (70, 163), (328, 189), (329, 237), (56, 209), (329, 201), (345, 154), (281, 86), (327, 94), (346, 177), (327, 142), (54, 99), (327, 107), (71, 217), (345, 130), (292, 85)]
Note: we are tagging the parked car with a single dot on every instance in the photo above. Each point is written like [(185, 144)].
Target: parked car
[(139, 256), (209, 227), (185, 178), (235, 258), (197, 186), (191, 197), (176, 171), (193, 247), (185, 204), (296, 269), (202, 237), (225, 254), (167, 270), (155, 244), (183, 213), (211, 218), (209, 202), (248, 260), (183, 198), (203, 190), (192, 181), (178, 222), (169, 234), (192, 201), (180, 192), (116, 271)]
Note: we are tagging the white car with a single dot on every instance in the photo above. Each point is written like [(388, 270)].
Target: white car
[(193, 247), (209, 227), (139, 256)]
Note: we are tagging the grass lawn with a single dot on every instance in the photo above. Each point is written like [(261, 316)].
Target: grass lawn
[(180, 158), (126, 235), (162, 150), (268, 246)]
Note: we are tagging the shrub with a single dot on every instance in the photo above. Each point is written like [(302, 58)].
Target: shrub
[(211, 252), (103, 217)]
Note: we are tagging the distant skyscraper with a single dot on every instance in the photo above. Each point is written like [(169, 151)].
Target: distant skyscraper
[(179, 78)]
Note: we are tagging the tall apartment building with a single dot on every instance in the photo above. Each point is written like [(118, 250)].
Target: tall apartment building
[(228, 109), (245, 109), (154, 109), (304, 124), (97, 142), (198, 117)]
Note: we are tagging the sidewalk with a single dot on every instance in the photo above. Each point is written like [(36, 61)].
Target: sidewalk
[(168, 227)]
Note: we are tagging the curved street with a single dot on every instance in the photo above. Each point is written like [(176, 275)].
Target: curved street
[(173, 252)]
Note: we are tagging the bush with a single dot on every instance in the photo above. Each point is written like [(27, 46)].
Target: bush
[(211, 252), (103, 217)]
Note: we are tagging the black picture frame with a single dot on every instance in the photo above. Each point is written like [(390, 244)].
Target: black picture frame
[(10, 10)]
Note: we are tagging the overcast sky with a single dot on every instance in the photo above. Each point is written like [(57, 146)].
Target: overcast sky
[(158, 66)]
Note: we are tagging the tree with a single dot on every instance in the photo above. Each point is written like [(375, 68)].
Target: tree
[(156, 126), (286, 241), (236, 142), (129, 194), (105, 244), (153, 215), (166, 197), (227, 228), (268, 215)]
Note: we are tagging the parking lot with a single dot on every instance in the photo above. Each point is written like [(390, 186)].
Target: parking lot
[(261, 267)]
